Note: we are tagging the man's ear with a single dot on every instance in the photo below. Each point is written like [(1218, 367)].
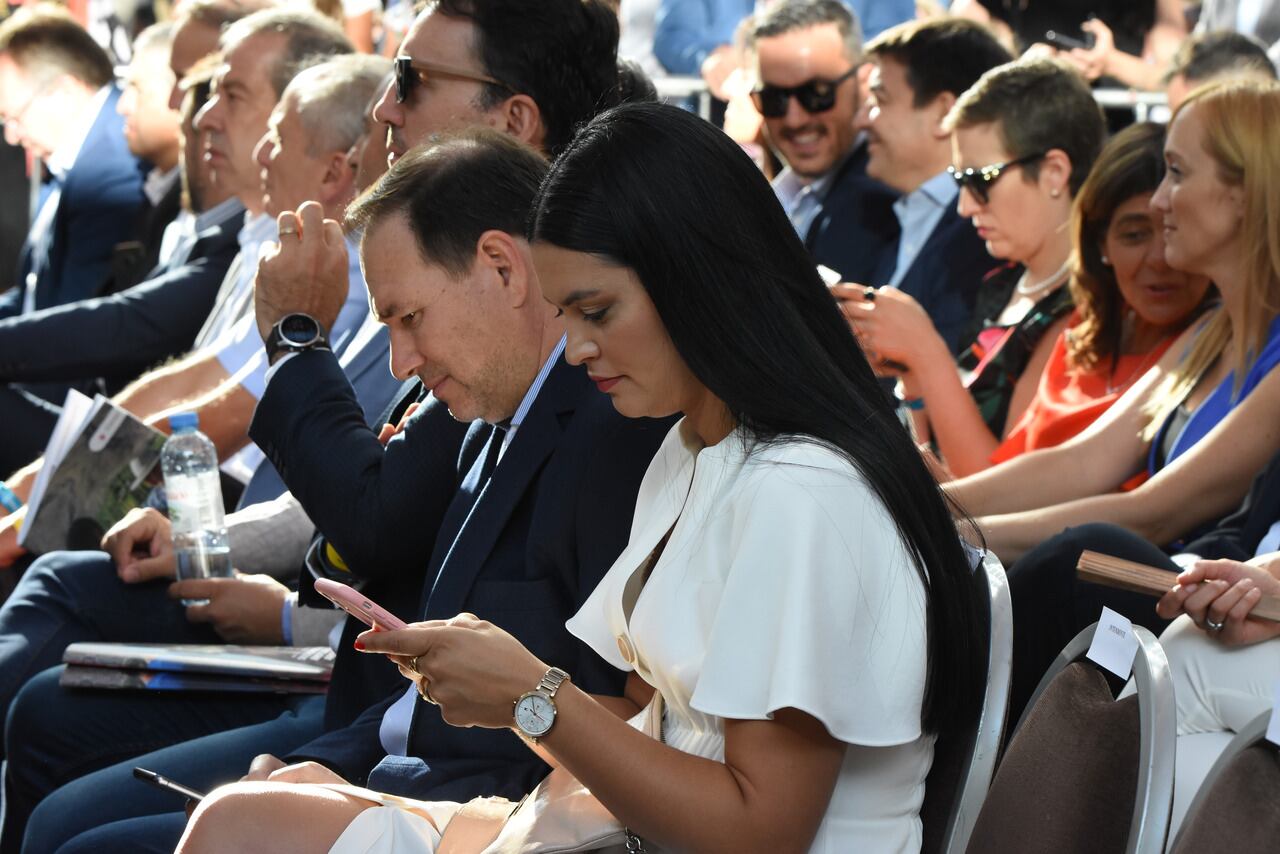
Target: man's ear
[(505, 257), (337, 185), (523, 120), (938, 110)]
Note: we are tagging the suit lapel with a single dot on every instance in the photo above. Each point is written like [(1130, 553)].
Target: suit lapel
[(515, 476)]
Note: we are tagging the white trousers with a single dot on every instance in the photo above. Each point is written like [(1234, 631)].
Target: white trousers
[(1219, 690)]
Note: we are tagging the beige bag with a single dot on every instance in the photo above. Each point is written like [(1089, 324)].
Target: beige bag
[(559, 816)]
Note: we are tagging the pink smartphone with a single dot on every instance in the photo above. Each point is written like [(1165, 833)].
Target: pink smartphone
[(357, 605)]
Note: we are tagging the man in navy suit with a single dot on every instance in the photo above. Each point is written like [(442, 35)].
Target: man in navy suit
[(938, 259), (58, 100), (547, 475)]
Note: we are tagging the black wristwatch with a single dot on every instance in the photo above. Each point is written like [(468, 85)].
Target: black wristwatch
[(296, 333)]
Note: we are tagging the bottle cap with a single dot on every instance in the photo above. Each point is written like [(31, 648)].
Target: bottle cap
[(181, 421)]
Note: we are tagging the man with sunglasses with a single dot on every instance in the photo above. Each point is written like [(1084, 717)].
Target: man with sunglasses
[(919, 69), (807, 56)]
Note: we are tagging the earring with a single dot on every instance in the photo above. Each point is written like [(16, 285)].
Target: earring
[(1106, 261), (1055, 192)]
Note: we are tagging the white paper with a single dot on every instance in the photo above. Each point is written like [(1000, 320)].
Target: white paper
[(77, 411), (1273, 728), (1114, 644)]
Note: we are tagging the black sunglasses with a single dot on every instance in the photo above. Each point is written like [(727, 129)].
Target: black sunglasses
[(978, 181), (410, 73), (816, 96)]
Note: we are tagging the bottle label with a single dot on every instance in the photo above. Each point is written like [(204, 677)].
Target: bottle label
[(195, 501)]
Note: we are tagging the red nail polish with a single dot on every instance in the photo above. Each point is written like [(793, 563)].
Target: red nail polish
[(359, 644)]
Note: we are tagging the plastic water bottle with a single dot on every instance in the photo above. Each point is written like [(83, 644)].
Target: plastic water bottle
[(190, 465)]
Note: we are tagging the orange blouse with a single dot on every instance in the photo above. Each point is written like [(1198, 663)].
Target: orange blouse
[(1067, 400)]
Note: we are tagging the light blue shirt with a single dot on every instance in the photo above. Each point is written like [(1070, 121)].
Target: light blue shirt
[(181, 235), (1248, 13), (802, 201), (241, 352), (393, 732), (235, 295), (918, 214)]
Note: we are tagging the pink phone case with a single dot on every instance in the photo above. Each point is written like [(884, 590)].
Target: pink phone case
[(357, 605)]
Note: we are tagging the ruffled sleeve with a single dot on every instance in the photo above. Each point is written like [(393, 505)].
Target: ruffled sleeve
[(821, 610)]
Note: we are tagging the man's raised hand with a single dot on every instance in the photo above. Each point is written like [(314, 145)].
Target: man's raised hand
[(305, 272)]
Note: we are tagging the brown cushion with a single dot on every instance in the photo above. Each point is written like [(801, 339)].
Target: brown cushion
[(1068, 781), (1242, 811)]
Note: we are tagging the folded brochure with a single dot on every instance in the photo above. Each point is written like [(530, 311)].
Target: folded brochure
[(197, 667), (100, 463)]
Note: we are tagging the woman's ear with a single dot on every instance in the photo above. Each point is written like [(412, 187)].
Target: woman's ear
[(1055, 173)]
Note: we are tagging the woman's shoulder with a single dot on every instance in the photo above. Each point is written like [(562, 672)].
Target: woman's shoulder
[(790, 472), (802, 452)]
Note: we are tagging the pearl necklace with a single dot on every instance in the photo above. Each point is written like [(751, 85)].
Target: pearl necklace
[(1041, 286)]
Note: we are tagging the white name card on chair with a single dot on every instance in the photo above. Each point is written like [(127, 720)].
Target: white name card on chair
[(1273, 726), (1114, 645)]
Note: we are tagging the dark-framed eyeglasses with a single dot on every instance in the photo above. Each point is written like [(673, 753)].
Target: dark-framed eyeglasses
[(816, 96), (979, 180), (410, 73)]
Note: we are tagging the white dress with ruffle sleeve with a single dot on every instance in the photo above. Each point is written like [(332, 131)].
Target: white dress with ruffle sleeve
[(784, 584)]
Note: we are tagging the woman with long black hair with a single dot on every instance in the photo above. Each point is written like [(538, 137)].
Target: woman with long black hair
[(795, 589)]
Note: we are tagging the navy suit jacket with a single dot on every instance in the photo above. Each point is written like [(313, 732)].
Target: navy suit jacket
[(101, 197), (134, 260), (119, 336), (945, 276), (856, 223), (369, 374), (524, 553)]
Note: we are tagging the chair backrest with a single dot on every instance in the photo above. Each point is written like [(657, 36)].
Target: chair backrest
[(1237, 807), (1086, 772), (964, 763)]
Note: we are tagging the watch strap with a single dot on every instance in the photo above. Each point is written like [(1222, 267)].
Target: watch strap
[(551, 681)]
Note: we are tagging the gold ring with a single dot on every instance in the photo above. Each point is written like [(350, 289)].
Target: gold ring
[(426, 693), (285, 231), (413, 664)]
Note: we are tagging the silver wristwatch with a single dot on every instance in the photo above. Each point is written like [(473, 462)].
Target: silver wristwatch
[(535, 711)]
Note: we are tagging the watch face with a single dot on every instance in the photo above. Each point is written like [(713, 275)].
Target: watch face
[(299, 329), (534, 714)]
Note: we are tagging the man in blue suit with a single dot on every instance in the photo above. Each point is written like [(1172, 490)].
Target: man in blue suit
[(545, 482), (938, 259), (58, 101)]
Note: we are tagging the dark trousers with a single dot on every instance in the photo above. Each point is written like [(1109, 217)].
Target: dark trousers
[(110, 811), (27, 423), (54, 736), (1050, 607)]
